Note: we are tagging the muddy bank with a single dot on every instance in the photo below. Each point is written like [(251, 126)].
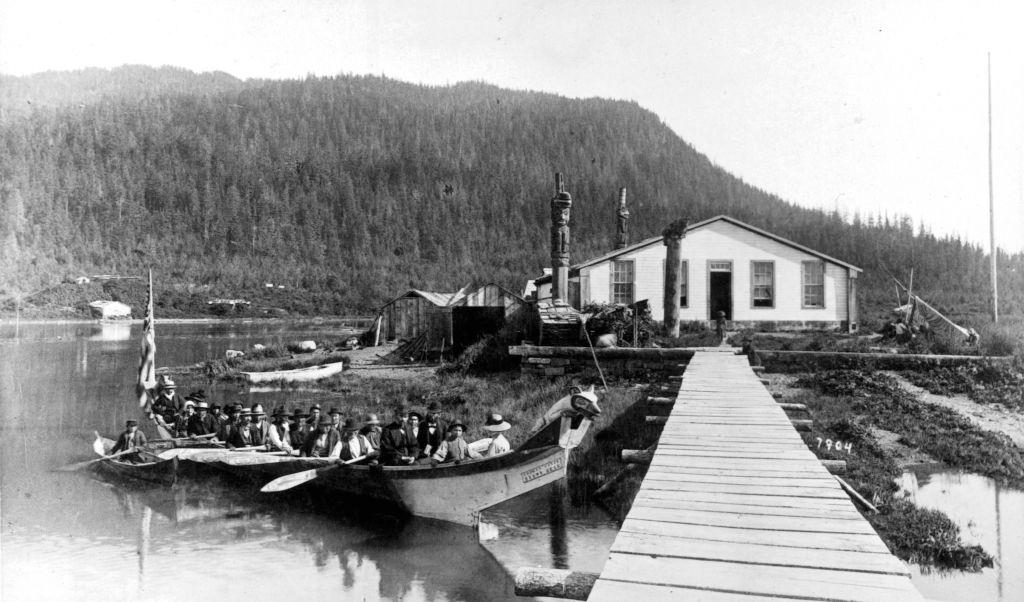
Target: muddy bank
[(883, 427)]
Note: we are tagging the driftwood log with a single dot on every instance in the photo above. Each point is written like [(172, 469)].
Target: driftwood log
[(555, 583)]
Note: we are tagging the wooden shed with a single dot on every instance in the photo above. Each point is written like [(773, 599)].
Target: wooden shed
[(485, 311), (416, 313)]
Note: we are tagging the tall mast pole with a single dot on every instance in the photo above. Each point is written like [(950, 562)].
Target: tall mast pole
[(991, 204)]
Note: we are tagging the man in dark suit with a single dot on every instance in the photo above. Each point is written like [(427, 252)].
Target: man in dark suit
[(394, 440), (245, 434), (432, 430), (202, 423), (131, 438), (325, 442)]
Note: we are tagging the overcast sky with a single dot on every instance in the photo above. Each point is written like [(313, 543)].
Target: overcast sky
[(862, 106)]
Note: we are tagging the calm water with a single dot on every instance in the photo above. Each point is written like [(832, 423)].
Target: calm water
[(988, 514), (70, 537)]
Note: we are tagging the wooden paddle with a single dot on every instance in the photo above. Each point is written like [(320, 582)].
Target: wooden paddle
[(77, 465), (295, 479), (206, 436)]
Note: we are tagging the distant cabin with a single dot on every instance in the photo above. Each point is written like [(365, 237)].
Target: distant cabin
[(110, 310), (760, 280)]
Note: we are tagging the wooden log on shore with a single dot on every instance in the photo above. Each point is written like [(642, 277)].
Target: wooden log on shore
[(833, 466), (555, 583), (757, 369), (856, 496), (777, 395), (793, 407), (637, 456), (657, 419), (802, 425), (765, 381), (607, 486), (661, 400)]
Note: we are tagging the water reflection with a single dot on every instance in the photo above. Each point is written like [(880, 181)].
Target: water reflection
[(988, 514), (64, 536)]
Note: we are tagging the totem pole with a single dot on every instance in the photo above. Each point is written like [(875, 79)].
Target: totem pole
[(672, 237), (560, 207), (621, 235)]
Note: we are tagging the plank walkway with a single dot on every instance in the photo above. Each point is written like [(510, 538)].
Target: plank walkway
[(735, 507)]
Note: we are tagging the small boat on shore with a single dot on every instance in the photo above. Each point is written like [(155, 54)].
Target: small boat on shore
[(309, 373)]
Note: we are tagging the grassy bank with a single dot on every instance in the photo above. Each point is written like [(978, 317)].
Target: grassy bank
[(846, 405)]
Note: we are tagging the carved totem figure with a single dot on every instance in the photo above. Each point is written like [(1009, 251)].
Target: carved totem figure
[(622, 235), (561, 206)]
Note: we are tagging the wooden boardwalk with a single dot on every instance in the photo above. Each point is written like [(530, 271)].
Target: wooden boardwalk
[(735, 507)]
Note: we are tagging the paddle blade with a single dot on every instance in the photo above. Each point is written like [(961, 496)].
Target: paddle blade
[(289, 480), (97, 445)]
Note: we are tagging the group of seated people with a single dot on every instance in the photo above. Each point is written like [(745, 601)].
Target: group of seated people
[(410, 438)]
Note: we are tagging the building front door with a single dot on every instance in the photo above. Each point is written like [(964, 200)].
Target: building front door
[(720, 279)]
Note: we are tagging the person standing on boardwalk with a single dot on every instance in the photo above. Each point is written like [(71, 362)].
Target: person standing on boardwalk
[(131, 438), (720, 325)]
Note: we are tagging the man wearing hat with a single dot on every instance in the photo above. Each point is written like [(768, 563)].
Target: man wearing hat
[(371, 430), (279, 438), (335, 416), (314, 416), (181, 422), (325, 442), (166, 391), (245, 434), (259, 421), (354, 444), (131, 438), (499, 444), (219, 417), (299, 429), (202, 423), (454, 448), (432, 431), (395, 447)]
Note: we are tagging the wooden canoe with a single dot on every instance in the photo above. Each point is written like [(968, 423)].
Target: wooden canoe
[(450, 492), (307, 374), (143, 466)]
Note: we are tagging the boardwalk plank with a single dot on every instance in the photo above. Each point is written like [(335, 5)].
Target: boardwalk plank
[(606, 590), (774, 481), (853, 542), (837, 512), (745, 498), (760, 580), (698, 549), (752, 521)]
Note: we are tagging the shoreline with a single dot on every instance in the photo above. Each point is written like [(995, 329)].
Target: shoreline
[(83, 321)]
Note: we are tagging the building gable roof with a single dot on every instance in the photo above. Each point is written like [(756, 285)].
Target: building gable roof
[(438, 299), (574, 270)]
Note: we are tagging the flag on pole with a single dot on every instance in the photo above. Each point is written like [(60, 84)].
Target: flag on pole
[(147, 363)]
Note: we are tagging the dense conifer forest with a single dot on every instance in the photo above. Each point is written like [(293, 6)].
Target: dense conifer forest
[(353, 189)]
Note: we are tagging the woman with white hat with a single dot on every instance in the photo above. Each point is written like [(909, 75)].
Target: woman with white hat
[(499, 444)]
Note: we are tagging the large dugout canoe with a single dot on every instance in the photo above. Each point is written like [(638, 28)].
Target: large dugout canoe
[(451, 492), (307, 374)]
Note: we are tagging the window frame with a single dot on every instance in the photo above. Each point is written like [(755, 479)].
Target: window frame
[(612, 281), (753, 284), (804, 284)]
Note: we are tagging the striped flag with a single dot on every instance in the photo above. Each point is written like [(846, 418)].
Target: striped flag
[(147, 363)]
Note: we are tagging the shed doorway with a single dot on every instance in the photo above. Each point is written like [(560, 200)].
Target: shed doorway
[(720, 289)]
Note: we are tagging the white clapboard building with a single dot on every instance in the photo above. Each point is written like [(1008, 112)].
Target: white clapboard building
[(759, 279)]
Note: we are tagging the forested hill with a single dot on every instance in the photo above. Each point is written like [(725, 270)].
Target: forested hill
[(362, 187)]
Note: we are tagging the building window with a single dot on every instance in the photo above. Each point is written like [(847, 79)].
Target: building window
[(684, 280), (622, 282), (762, 275), (813, 284)]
